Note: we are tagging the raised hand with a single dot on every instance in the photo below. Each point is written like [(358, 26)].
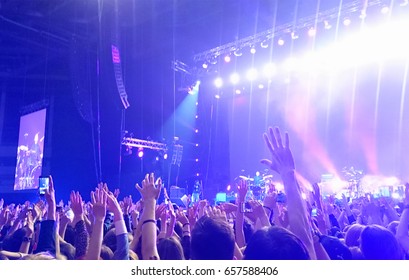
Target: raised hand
[(148, 189), (1, 203), (76, 203), (99, 204), (50, 193), (116, 193), (113, 205), (127, 204), (159, 210), (242, 190), (406, 194), (4, 217), (282, 160)]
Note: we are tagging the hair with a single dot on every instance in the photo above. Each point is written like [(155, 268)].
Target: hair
[(356, 253), (67, 250), (212, 239), (106, 253), (12, 243), (170, 249), (275, 243), (70, 235), (378, 243), (110, 239), (336, 250), (133, 255), (39, 256), (393, 226), (352, 235)]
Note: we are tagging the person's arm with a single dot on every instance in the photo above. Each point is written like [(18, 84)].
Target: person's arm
[(260, 213), (171, 227), (127, 203), (99, 205), (81, 233), (122, 244), (150, 193), (283, 163), (186, 237), (25, 244), (242, 189), (402, 229), (47, 236)]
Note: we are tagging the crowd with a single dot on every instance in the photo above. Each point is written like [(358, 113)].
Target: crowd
[(107, 228)]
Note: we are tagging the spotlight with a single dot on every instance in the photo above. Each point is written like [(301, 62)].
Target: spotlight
[(217, 96), (252, 74), (196, 130), (347, 22), (238, 52), (204, 65), (385, 9), (227, 59), (253, 49), (327, 25), (363, 14), (197, 160), (213, 59), (157, 158), (312, 32), (197, 174), (197, 145), (260, 86), (218, 82), (294, 35), (165, 156), (228, 188), (196, 116), (140, 152), (237, 91), (265, 44), (194, 89), (280, 42), (234, 78)]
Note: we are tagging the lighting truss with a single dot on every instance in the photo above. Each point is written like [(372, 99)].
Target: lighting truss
[(138, 143), (281, 30)]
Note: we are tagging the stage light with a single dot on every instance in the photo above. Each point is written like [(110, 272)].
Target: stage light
[(196, 116), (385, 9), (218, 82), (197, 174), (217, 96), (165, 156), (312, 32), (234, 78), (257, 173), (227, 58), (140, 152), (238, 52), (260, 86), (237, 91), (253, 49), (197, 145), (197, 103), (280, 42), (346, 21), (197, 160), (228, 188), (404, 3), (194, 89), (294, 35), (157, 158), (269, 70), (395, 195), (291, 64), (265, 44), (304, 196), (327, 25), (213, 60), (204, 65), (252, 74)]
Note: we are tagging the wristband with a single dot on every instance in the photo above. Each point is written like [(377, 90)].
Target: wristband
[(149, 221), (186, 224), (120, 227), (186, 231)]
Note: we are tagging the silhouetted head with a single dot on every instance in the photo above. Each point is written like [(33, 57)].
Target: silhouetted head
[(170, 249), (336, 250), (275, 243), (212, 239), (378, 243), (352, 235)]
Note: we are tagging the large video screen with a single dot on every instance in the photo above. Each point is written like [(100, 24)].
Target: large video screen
[(30, 150)]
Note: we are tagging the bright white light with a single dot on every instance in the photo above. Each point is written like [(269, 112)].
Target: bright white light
[(218, 82), (291, 64), (197, 160), (294, 35), (253, 50), (237, 91), (227, 59), (312, 32), (217, 96), (281, 42), (260, 86), (304, 196), (385, 10), (269, 70), (204, 65), (234, 78), (395, 195), (347, 22), (252, 74), (327, 25)]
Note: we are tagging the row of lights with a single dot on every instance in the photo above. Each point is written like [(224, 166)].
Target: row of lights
[(312, 32)]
